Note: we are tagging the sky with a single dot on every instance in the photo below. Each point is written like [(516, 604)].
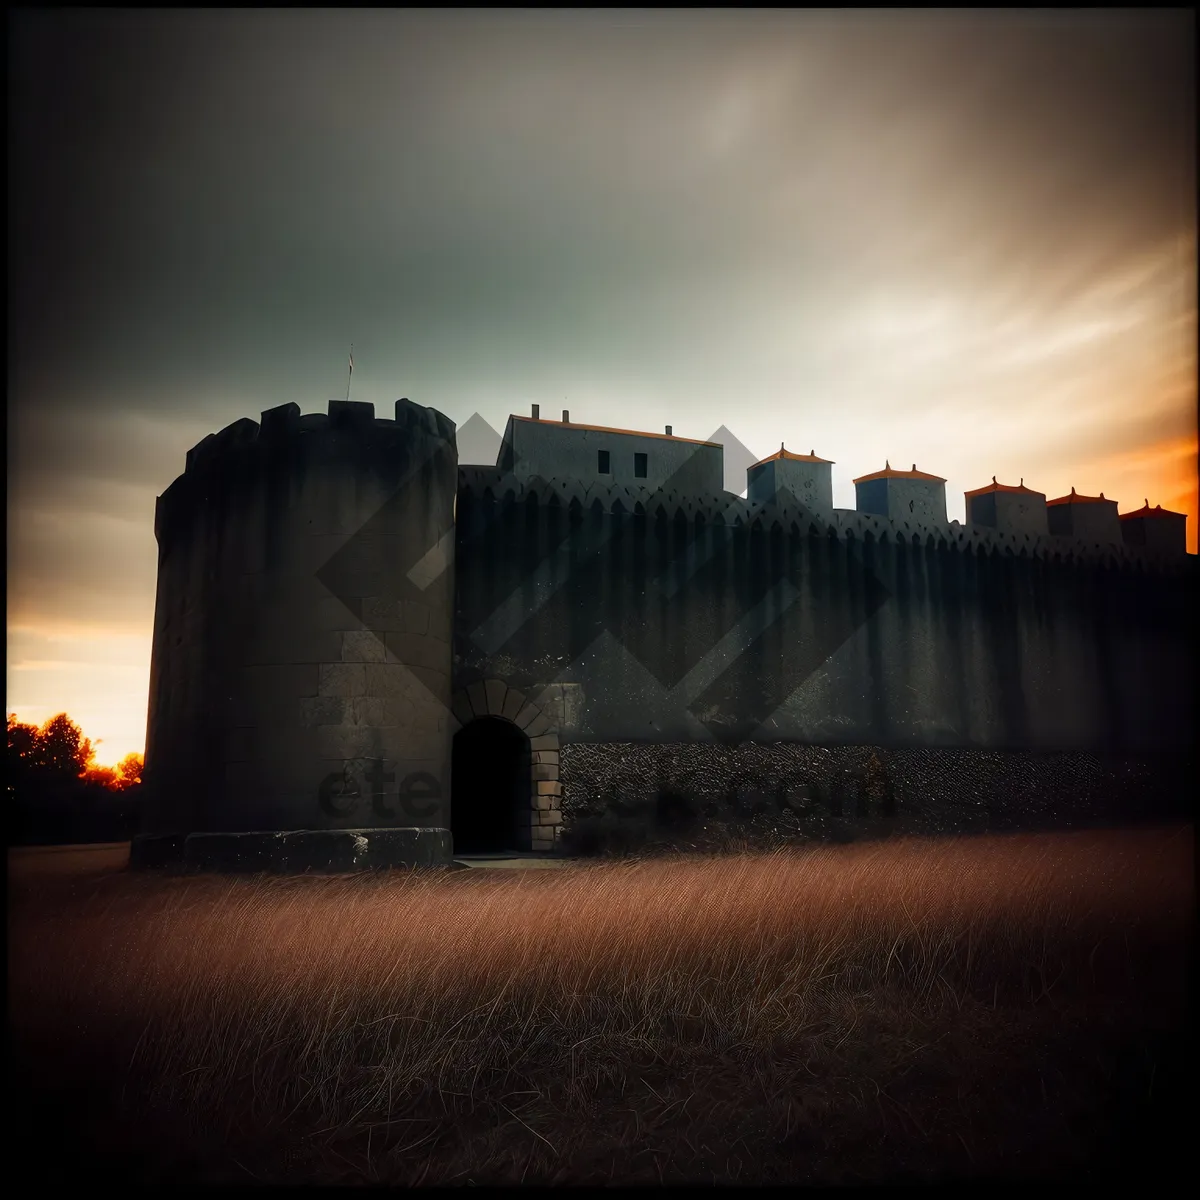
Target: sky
[(965, 241)]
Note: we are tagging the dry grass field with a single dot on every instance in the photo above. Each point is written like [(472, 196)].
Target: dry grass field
[(1006, 1007)]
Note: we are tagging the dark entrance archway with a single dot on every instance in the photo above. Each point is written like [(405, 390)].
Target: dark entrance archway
[(489, 785)]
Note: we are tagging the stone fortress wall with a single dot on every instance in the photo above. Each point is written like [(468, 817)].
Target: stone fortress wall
[(784, 643), (337, 597)]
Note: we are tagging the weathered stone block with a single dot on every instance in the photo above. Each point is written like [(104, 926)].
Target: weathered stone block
[(527, 714), (334, 850), (539, 725), (342, 679), (383, 613), (436, 682), (514, 701), (368, 710), (571, 706), (544, 741), (549, 700), (544, 803), (397, 710), (541, 771), (323, 710), (364, 645), (478, 699), (318, 646), (548, 787), (546, 758), (494, 690), (562, 703), (410, 649), (416, 617), (391, 679), (348, 741)]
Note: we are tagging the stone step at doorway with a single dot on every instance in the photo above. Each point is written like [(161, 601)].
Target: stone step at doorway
[(509, 859)]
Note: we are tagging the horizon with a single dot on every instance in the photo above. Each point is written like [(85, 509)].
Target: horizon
[(965, 240)]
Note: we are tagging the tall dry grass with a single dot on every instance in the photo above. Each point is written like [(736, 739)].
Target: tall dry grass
[(923, 1009)]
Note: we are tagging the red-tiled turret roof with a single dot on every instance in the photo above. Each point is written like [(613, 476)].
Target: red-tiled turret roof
[(781, 454), (1076, 498), (888, 473), (1147, 511), (1001, 487)]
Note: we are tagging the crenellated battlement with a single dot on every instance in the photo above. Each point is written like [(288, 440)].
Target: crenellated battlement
[(787, 515), (782, 510), (244, 449), (342, 416)]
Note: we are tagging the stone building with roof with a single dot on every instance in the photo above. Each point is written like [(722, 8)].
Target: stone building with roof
[(1085, 518), (805, 479), (1001, 506), (902, 495), (1155, 528)]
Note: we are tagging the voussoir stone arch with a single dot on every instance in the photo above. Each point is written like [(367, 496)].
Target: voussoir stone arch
[(540, 824)]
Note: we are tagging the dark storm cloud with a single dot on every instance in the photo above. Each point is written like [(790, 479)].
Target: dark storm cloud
[(222, 185), (967, 239)]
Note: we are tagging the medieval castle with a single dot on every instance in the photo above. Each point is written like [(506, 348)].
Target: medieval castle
[(367, 655)]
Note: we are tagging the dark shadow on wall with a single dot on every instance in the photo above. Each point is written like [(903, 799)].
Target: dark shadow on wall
[(489, 783)]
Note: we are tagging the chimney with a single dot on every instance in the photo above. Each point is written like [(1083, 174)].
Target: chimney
[(566, 417), (537, 412), (668, 431)]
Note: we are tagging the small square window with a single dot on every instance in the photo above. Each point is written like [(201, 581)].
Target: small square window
[(602, 462), (639, 466)]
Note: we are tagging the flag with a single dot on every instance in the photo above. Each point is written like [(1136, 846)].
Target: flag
[(352, 360)]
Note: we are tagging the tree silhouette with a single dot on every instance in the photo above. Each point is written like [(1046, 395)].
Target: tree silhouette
[(22, 755), (57, 792), (130, 770), (62, 748)]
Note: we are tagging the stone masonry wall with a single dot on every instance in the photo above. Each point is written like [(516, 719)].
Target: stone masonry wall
[(626, 795)]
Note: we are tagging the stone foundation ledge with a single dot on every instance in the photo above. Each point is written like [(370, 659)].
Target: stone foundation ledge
[(149, 851), (297, 851)]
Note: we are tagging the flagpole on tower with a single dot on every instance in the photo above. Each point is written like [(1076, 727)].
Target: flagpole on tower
[(350, 374)]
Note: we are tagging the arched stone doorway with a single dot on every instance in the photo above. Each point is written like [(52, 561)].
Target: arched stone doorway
[(508, 765), (489, 780)]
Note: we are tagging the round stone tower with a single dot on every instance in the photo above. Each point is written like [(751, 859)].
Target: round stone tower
[(299, 713)]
